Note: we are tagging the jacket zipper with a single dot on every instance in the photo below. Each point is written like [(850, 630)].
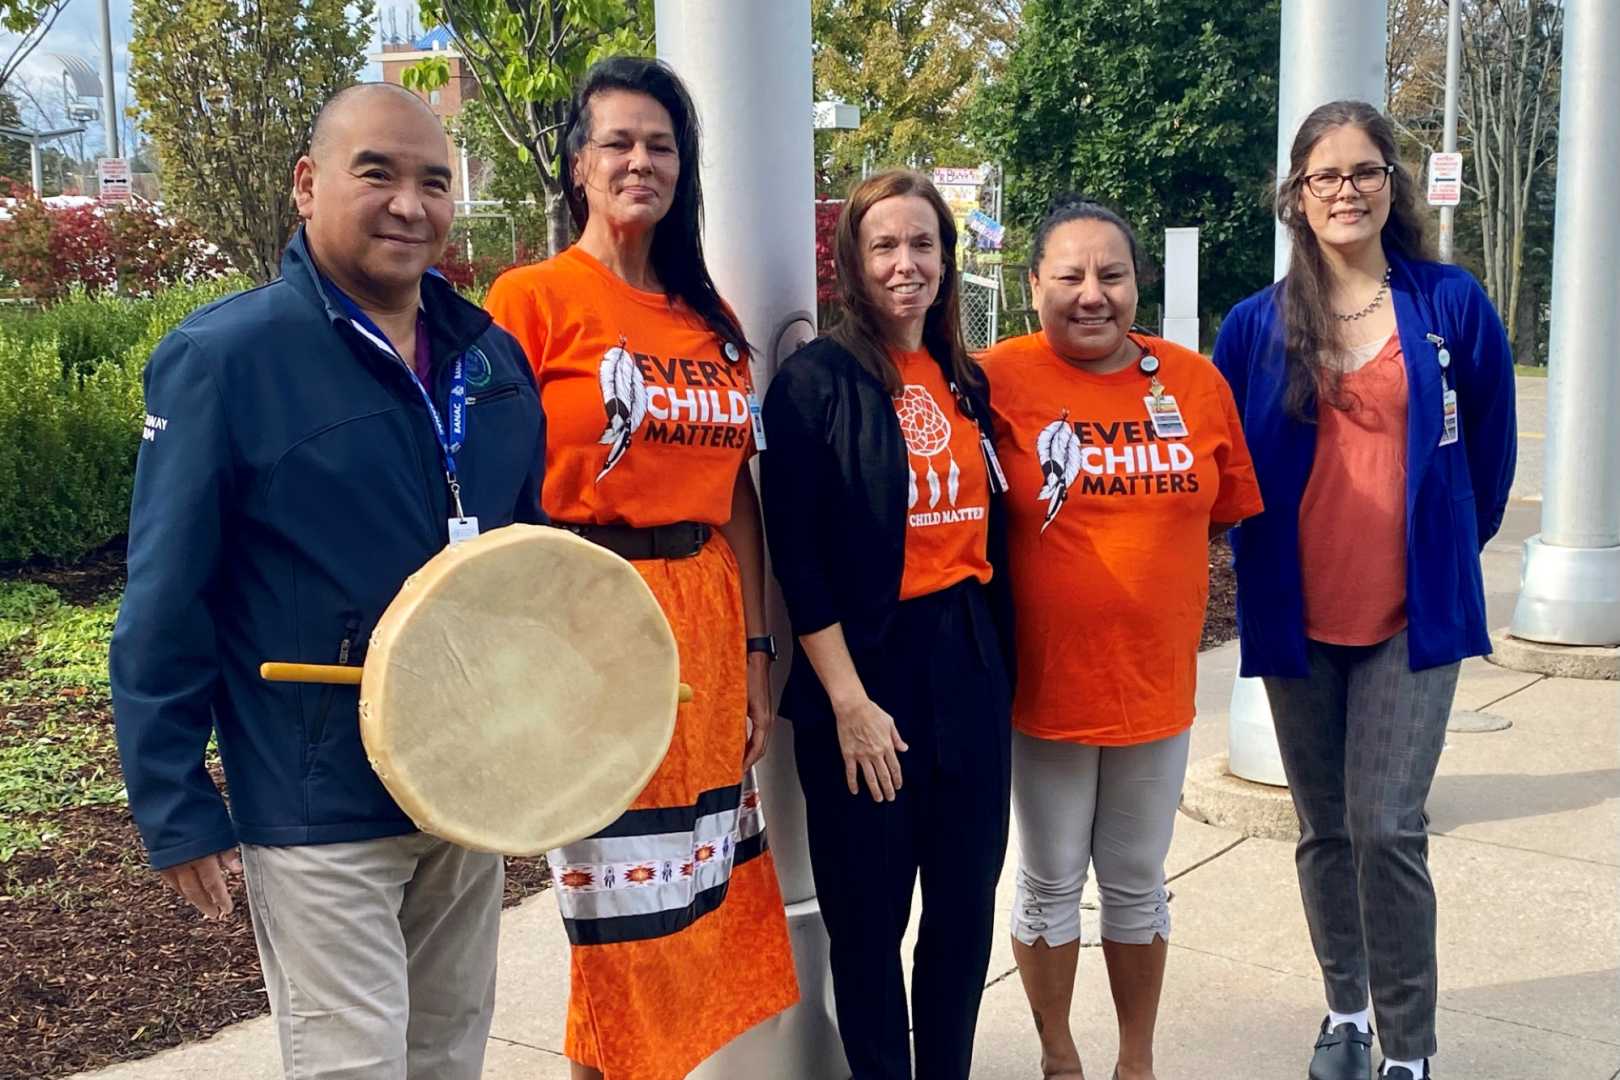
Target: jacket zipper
[(351, 630), (495, 395)]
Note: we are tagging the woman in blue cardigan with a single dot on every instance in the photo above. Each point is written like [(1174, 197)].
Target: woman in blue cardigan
[(1376, 391)]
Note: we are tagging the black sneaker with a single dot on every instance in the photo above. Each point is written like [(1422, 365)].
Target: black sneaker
[(1343, 1053), (1401, 1072)]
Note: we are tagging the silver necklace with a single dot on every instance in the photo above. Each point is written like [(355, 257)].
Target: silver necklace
[(1372, 305)]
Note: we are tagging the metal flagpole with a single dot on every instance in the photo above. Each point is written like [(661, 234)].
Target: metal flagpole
[(1448, 214), (747, 65), (1570, 593), (1330, 51)]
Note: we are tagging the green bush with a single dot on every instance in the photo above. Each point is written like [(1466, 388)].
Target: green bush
[(70, 417), (87, 329)]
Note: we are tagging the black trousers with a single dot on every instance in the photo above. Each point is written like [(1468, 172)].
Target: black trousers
[(941, 677)]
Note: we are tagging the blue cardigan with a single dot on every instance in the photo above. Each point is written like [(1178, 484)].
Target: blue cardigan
[(1455, 495)]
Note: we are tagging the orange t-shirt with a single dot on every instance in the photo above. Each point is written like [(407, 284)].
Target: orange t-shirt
[(1108, 531), (948, 508), (1352, 519), (647, 418)]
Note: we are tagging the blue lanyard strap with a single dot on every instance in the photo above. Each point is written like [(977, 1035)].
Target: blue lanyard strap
[(451, 436)]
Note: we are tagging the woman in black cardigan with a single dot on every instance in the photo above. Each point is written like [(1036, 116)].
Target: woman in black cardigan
[(883, 513)]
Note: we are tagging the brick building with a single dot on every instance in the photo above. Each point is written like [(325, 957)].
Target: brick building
[(397, 55)]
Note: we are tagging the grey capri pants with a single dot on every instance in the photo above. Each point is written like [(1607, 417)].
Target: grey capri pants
[(1114, 806)]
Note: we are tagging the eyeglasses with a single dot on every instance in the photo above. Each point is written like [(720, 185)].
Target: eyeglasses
[(1366, 181)]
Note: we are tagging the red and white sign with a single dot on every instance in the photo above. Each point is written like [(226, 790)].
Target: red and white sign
[(1445, 179), (963, 177), (114, 176)]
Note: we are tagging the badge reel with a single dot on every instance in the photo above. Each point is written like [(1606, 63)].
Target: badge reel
[(755, 416), (1162, 409), (1448, 397)]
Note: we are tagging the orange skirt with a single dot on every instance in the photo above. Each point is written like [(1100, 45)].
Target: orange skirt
[(680, 940)]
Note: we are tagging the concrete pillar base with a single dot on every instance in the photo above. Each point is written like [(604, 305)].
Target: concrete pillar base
[(1560, 661), (1569, 595), (1214, 796)]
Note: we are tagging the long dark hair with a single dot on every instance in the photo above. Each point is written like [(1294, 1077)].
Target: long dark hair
[(859, 329), (1310, 332), (677, 246)]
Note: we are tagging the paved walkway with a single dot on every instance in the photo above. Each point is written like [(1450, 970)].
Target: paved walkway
[(1526, 858)]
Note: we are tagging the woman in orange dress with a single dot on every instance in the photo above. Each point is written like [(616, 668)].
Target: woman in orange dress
[(680, 940)]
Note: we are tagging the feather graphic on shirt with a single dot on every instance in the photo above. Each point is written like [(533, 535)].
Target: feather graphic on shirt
[(1058, 449), (624, 397)]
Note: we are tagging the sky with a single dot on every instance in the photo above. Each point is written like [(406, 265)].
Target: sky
[(78, 31)]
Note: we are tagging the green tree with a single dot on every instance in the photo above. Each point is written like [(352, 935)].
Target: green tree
[(526, 58), (229, 90), (1507, 131), (14, 165), (913, 67), (1163, 110)]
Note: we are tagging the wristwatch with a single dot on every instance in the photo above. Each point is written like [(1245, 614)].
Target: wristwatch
[(766, 645)]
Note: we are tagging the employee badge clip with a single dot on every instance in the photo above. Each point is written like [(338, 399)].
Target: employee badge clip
[(1448, 396), (1163, 411)]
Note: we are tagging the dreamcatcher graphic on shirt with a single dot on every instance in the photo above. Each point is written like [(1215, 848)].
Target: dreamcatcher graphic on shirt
[(1057, 448), (927, 432), (624, 396)]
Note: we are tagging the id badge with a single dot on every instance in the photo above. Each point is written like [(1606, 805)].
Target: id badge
[(758, 418), (998, 479), (462, 529), (1448, 418), (1166, 416)]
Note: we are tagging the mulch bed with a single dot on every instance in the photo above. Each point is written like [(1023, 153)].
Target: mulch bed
[(100, 962), (1220, 622)]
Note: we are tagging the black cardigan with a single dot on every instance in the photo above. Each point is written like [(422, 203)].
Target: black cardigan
[(834, 488)]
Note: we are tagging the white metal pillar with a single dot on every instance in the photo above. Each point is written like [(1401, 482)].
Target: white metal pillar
[(1331, 51), (1570, 593), (747, 65), (1180, 322)]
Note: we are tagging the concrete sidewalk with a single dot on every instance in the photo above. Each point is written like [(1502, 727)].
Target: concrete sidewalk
[(1525, 855)]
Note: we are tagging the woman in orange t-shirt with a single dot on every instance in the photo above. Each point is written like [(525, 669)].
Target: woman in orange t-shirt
[(680, 940), (1123, 455), (884, 513)]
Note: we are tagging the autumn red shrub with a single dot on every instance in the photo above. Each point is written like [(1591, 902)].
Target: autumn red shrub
[(136, 250), (827, 211)]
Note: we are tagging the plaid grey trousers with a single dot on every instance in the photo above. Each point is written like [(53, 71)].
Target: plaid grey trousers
[(1360, 738)]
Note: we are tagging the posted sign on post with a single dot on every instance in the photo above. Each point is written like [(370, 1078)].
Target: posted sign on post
[(114, 176), (1445, 179)]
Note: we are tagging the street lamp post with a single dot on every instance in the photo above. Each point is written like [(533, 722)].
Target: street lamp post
[(1448, 214), (109, 108)]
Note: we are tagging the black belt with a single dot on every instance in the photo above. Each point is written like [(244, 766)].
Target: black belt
[(679, 540)]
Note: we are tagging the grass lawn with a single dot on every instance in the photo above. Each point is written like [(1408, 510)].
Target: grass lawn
[(99, 961), (56, 738)]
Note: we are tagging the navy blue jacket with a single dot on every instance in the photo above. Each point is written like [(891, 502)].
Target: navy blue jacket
[(289, 481), (1455, 495)]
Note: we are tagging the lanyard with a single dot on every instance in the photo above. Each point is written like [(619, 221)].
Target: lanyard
[(451, 436)]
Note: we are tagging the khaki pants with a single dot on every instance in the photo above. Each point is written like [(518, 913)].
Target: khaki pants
[(378, 955)]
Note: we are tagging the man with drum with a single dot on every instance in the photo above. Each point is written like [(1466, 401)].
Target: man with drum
[(308, 445)]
